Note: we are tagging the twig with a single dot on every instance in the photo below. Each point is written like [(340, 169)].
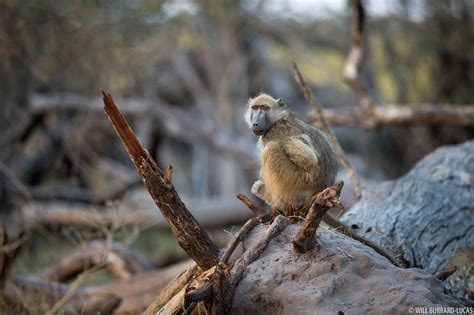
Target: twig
[(223, 282), (179, 301), (252, 206), (249, 256), (237, 238), (190, 235), (254, 252), (220, 285), (325, 126), (323, 201), (244, 230), (344, 229)]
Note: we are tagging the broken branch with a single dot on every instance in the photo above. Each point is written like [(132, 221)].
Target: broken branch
[(190, 235), (249, 256), (244, 230), (251, 205), (323, 201)]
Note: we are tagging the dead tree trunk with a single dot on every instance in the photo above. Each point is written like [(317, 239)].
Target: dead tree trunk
[(425, 218)]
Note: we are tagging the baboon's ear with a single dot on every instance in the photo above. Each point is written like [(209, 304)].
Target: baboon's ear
[(281, 103)]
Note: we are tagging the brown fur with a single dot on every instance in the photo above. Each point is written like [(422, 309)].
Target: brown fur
[(297, 161)]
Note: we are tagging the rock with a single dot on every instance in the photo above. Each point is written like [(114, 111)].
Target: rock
[(338, 275), (426, 218)]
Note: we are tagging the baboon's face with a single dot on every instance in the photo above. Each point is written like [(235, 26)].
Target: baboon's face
[(263, 111), (259, 119)]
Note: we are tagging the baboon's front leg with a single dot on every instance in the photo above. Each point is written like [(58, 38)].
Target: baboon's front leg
[(258, 189)]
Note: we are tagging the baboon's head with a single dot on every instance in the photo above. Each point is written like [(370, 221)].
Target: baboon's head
[(263, 111)]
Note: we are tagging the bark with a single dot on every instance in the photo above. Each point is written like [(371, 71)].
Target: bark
[(425, 218)]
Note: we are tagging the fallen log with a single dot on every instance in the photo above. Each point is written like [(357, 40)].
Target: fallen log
[(115, 258), (425, 218)]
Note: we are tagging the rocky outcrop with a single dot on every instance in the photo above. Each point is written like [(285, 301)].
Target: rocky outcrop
[(340, 275), (426, 218)]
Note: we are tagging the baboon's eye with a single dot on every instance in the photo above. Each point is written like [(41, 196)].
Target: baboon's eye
[(262, 107)]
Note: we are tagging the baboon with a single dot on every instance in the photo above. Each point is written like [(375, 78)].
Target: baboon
[(297, 160)]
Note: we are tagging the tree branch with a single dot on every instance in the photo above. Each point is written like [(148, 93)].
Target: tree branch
[(321, 123), (323, 201), (244, 230), (404, 114), (278, 225), (252, 206), (190, 235)]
